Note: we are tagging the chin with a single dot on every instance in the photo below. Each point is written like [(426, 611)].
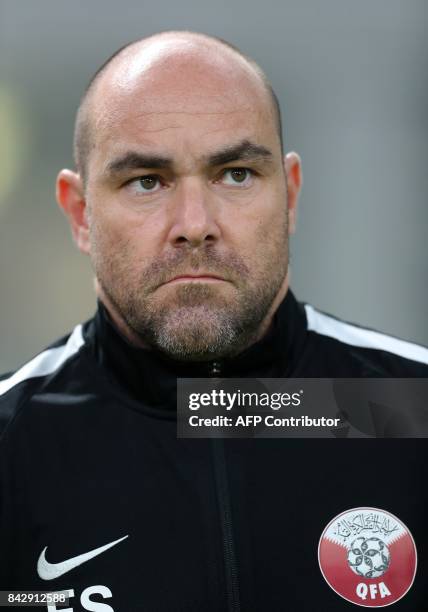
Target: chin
[(196, 336)]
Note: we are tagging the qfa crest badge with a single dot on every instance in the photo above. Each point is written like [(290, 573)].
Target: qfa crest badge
[(368, 557)]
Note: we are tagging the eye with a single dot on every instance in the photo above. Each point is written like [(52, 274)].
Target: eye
[(237, 177), (145, 184)]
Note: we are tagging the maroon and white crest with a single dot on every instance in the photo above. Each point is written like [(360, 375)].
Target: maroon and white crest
[(368, 556)]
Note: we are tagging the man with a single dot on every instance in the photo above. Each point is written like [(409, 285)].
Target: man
[(184, 202)]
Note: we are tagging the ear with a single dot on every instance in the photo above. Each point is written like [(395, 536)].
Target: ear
[(70, 197), (293, 172)]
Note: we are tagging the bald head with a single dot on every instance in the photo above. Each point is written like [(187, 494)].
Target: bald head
[(182, 61)]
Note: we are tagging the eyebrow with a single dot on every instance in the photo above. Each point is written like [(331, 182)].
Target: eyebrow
[(243, 151), (135, 161)]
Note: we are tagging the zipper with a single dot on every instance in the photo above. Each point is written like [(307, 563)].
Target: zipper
[(223, 497), (231, 566)]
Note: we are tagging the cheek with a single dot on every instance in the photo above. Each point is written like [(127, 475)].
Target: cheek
[(114, 236), (268, 248), (274, 220), (110, 248), (116, 225), (261, 229)]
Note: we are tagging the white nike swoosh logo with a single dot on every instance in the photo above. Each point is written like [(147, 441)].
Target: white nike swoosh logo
[(49, 571)]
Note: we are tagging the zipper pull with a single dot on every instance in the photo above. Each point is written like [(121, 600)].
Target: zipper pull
[(215, 368)]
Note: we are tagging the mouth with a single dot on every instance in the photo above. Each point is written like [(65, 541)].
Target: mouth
[(195, 278)]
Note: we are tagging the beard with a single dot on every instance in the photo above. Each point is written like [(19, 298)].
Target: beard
[(193, 321)]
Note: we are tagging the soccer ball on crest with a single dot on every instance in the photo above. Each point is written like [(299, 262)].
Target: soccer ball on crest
[(369, 557)]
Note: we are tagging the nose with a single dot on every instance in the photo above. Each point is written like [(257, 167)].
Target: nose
[(193, 220)]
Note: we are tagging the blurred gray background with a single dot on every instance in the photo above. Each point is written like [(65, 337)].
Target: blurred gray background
[(353, 84)]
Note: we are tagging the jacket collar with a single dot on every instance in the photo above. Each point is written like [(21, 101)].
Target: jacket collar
[(150, 377)]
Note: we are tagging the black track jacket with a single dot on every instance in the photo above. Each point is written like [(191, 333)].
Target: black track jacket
[(100, 498)]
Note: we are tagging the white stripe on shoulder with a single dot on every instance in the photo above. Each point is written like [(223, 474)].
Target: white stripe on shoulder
[(366, 338), (45, 363)]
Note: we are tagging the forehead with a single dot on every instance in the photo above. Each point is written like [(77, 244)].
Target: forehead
[(180, 103)]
